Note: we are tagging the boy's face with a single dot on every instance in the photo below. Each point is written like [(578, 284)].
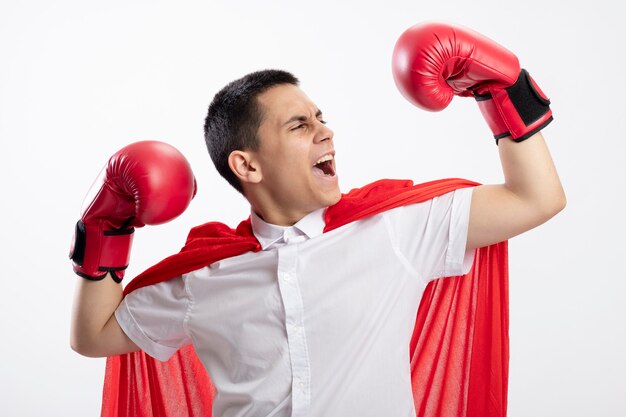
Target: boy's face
[(296, 153)]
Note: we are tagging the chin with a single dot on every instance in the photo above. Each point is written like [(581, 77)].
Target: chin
[(332, 198), (326, 193)]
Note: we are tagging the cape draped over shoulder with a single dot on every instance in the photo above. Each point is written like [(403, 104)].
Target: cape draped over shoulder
[(459, 351)]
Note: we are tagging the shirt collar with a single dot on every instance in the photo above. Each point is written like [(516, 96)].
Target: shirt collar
[(268, 234)]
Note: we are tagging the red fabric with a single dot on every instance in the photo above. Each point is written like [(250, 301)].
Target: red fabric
[(459, 350)]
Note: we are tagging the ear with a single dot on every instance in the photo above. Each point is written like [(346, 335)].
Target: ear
[(245, 166)]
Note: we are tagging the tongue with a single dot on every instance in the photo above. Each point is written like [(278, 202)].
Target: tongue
[(326, 167), (318, 170)]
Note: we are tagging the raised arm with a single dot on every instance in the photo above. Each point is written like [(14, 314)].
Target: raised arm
[(144, 183), (433, 62), (531, 194), (94, 329)]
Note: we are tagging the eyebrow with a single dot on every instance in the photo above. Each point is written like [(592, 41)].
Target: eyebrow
[(300, 118)]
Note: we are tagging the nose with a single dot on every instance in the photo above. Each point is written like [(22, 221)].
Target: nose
[(323, 133)]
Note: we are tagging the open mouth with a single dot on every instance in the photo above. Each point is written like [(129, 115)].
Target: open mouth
[(325, 166)]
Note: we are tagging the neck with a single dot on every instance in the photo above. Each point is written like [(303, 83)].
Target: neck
[(279, 217), (275, 213), (277, 209)]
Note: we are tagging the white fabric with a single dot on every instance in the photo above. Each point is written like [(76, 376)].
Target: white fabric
[(314, 324)]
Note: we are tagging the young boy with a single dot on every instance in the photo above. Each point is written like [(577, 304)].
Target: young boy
[(281, 330)]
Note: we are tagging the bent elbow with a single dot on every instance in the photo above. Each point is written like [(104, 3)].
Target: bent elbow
[(553, 206), (562, 203), (83, 348), (559, 203), (79, 347)]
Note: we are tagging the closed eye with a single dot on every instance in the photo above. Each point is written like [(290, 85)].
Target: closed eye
[(301, 118), (300, 126)]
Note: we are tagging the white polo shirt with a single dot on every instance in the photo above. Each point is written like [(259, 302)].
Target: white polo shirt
[(315, 324)]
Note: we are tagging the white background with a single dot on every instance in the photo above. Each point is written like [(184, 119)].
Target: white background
[(79, 80)]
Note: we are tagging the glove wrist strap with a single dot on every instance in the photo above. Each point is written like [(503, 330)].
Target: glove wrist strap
[(518, 111), (96, 252)]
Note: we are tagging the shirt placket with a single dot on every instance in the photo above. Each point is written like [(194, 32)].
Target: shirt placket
[(294, 325)]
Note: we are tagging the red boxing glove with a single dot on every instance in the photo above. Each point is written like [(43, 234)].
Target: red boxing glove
[(432, 62), (146, 182)]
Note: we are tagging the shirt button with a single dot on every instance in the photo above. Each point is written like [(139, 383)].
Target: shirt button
[(286, 277)]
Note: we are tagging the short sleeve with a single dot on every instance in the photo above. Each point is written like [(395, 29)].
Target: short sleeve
[(432, 235), (154, 318)]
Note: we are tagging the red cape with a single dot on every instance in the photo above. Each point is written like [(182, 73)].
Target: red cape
[(459, 350)]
